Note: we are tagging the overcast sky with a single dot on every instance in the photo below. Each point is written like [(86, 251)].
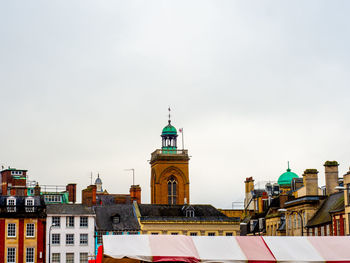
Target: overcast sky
[(85, 87)]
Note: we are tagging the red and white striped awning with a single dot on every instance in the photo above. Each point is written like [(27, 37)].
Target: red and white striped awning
[(194, 249)]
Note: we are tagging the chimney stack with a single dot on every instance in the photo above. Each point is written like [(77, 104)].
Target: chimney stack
[(331, 174), (310, 179), (135, 193), (37, 190), (72, 192)]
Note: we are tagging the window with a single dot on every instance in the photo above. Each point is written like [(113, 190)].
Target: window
[(11, 230), (84, 221), (83, 257), (348, 192), (53, 199), (83, 239), (193, 234), (189, 212), (174, 233), (70, 221), (69, 239), (116, 219), (289, 222), (11, 255), (29, 205), (171, 190), (229, 234), (56, 221), (56, 239), (30, 230), (211, 234), (154, 233), (30, 255), (69, 257), (56, 258), (338, 227), (11, 204), (133, 233)]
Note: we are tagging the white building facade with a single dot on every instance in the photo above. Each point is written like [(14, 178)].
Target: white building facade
[(70, 233)]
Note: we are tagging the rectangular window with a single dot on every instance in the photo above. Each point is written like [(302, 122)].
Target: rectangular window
[(69, 239), (211, 234), (322, 230), (30, 230), (193, 234), (83, 257), (83, 239), (348, 193), (29, 205), (11, 204), (56, 258), (229, 234), (11, 230), (56, 221), (154, 233), (174, 233), (338, 227), (70, 221), (30, 255), (84, 221), (11, 255), (69, 257), (56, 239)]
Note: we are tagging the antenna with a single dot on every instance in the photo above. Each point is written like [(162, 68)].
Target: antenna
[(169, 114), (133, 174)]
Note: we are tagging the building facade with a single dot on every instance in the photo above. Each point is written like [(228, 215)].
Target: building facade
[(169, 171), (192, 220), (22, 228), (70, 233), (118, 219)]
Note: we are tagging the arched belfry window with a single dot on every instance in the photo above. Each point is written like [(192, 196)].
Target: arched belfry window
[(172, 190)]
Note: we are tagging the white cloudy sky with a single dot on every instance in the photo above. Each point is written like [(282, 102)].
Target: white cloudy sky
[(85, 87)]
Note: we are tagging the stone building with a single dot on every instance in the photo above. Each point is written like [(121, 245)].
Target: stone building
[(192, 220)]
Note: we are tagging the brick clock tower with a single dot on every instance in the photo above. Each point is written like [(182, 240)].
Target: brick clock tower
[(169, 171)]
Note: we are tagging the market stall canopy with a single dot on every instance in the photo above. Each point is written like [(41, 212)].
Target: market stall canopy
[(226, 249)]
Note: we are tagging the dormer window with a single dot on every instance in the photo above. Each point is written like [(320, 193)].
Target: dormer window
[(30, 204), (116, 219), (189, 211), (11, 204)]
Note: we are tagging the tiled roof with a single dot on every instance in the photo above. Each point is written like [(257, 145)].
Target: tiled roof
[(322, 216), (128, 220), (69, 209), (152, 212)]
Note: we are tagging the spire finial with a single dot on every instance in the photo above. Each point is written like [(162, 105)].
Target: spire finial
[(288, 170), (169, 115)]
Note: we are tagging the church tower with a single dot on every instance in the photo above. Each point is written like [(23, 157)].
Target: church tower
[(169, 171)]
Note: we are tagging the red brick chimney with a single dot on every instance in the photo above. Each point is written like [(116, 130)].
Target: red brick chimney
[(72, 192), (135, 193), (88, 195)]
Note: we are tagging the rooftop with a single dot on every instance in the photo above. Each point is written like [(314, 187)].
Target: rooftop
[(69, 209)]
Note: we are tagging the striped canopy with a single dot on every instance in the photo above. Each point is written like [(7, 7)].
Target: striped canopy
[(194, 249)]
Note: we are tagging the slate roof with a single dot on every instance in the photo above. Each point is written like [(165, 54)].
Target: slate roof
[(20, 200), (202, 213), (334, 202), (128, 220), (69, 209)]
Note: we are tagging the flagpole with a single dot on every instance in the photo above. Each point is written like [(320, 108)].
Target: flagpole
[(182, 135)]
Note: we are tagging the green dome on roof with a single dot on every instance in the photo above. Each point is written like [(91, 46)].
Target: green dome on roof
[(169, 129), (287, 177)]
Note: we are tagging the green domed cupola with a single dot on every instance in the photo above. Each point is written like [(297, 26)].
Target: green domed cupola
[(286, 178), (169, 129), (169, 135)]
